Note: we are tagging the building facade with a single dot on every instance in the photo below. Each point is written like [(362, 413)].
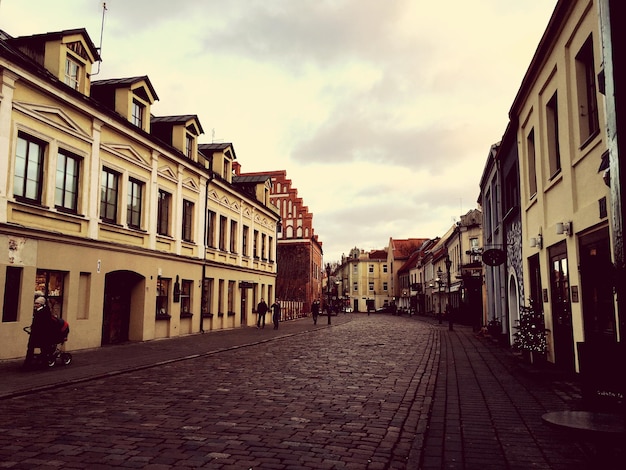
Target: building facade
[(556, 228), (130, 231), (363, 280), (299, 251)]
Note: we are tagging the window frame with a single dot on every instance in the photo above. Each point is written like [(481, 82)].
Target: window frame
[(186, 290), (29, 181), (62, 194), (552, 132), (109, 194), (72, 74), (163, 212), (163, 288), (187, 220), (137, 114), (134, 208)]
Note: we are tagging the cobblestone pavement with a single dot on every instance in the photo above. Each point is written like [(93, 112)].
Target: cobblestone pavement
[(369, 392)]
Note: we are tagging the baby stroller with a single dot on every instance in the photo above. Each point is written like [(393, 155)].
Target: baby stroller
[(50, 345)]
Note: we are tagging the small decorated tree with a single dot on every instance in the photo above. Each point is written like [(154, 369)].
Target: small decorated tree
[(531, 332)]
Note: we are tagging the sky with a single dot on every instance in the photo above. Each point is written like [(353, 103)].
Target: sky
[(382, 112)]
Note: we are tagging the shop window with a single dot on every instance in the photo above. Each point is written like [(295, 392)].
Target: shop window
[(163, 298), (51, 284), (231, 298), (207, 287), (185, 298), (12, 289)]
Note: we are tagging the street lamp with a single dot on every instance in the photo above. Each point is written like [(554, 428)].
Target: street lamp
[(328, 290), (439, 289), (448, 306)]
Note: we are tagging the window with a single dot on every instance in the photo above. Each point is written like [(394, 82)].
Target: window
[(189, 146), (370, 286), (233, 236), (220, 298), (28, 179), (66, 185), (256, 244), (185, 298), (210, 230), (552, 122), (370, 268), (384, 268), (511, 190), (163, 215), (135, 196), (163, 298), (270, 248), (355, 286), (207, 292), (530, 155), (587, 98), (231, 297), (263, 247), (385, 287), (108, 195), (244, 240), (223, 225), (51, 284), (187, 221), (137, 113), (12, 289), (72, 71), (355, 268)]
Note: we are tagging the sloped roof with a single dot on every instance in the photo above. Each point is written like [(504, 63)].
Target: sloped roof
[(378, 254), (246, 179), (125, 82), (402, 249)]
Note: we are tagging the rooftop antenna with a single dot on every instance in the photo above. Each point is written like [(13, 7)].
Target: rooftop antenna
[(104, 9)]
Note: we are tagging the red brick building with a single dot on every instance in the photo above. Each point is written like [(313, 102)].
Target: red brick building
[(298, 250)]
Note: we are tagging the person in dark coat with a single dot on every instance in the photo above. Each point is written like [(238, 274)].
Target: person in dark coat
[(261, 310), (275, 314), (315, 311), (42, 330)]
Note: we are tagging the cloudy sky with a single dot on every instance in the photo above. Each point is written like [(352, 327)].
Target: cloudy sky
[(382, 112)]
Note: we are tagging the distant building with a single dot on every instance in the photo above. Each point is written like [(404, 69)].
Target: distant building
[(363, 280)]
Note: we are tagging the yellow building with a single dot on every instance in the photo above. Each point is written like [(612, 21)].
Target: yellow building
[(130, 230), (364, 280), (559, 119)]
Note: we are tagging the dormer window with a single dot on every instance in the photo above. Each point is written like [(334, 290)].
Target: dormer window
[(72, 71), (137, 114), (189, 141)]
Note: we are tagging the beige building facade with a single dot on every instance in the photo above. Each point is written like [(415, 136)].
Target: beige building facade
[(559, 119), (130, 230)]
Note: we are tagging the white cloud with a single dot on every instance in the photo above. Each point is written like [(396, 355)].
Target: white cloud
[(382, 112)]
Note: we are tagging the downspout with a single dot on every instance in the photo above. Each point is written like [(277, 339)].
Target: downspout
[(206, 210)]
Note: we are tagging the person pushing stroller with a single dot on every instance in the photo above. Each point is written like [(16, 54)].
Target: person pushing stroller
[(46, 331)]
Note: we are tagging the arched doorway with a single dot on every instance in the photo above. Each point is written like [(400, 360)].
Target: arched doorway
[(118, 300), (513, 303)]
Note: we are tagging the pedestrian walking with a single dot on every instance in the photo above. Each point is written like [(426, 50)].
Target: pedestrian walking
[(41, 330), (275, 314), (315, 310), (261, 309)]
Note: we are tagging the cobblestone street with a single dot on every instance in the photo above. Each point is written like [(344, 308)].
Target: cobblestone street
[(369, 392)]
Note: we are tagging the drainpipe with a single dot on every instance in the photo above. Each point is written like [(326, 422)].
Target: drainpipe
[(206, 209)]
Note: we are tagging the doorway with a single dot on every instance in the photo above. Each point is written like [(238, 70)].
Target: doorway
[(118, 298), (596, 279), (563, 334)]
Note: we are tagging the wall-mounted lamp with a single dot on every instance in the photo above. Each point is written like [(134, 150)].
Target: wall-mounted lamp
[(536, 242), (564, 228)]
